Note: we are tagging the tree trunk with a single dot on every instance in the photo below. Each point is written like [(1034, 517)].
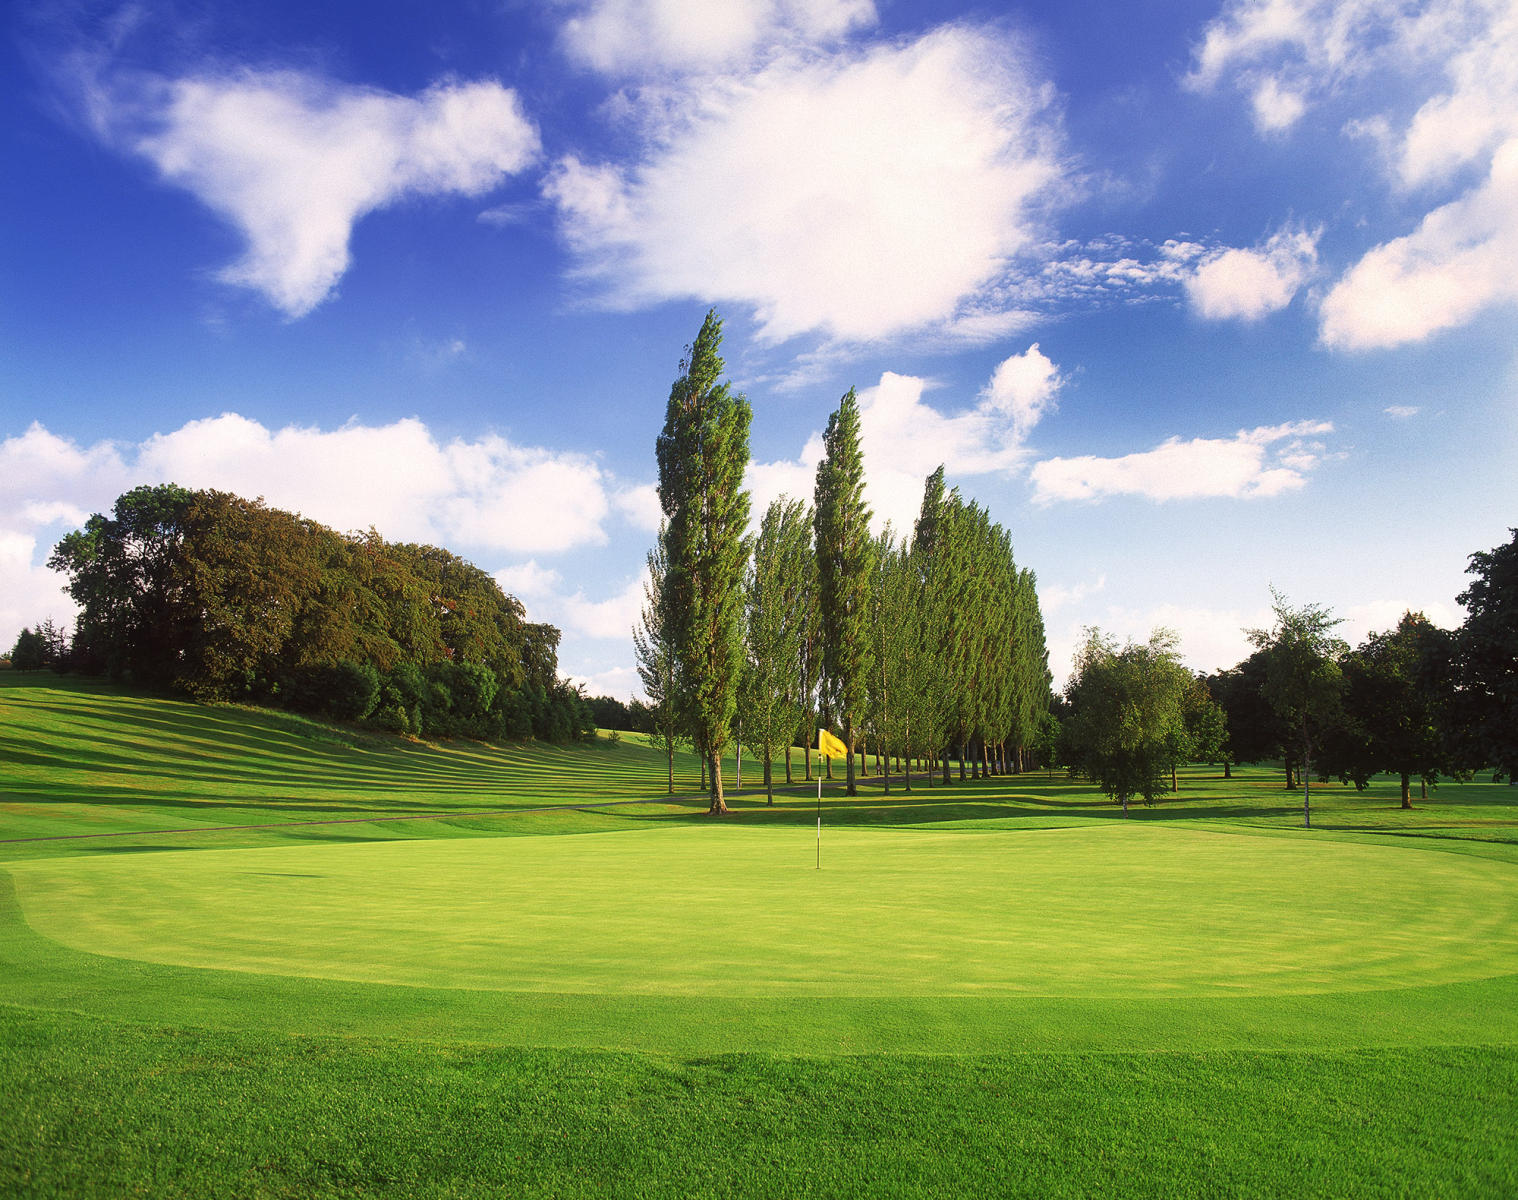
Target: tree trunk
[(1227, 770), (719, 805), (885, 776), (850, 787), (946, 778), (1125, 805), (769, 781), (809, 746), (738, 774), (1174, 784), (1407, 790), (963, 753), (788, 779)]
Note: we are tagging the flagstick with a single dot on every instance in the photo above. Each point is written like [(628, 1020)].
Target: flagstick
[(819, 819)]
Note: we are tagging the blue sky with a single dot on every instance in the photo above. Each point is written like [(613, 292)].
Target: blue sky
[(1198, 298)]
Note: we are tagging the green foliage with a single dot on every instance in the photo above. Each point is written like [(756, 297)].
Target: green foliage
[(1486, 658), (703, 453), (774, 612), (226, 598), (1128, 714), (29, 652), (1396, 699), (658, 659), (845, 562), (1303, 679)]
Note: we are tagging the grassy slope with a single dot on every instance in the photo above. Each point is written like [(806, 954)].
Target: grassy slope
[(123, 1075)]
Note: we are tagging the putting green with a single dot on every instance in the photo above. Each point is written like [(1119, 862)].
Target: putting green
[(1120, 911)]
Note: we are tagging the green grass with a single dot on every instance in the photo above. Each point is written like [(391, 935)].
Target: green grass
[(246, 954)]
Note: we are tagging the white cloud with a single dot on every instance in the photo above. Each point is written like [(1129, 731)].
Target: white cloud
[(904, 439), (629, 37), (1276, 108), (1382, 616), (1450, 64), (640, 507), (1250, 465), (863, 195), (292, 161), (1248, 284), (620, 682), (529, 580), (1401, 412), (1462, 259), (1053, 597), (612, 618)]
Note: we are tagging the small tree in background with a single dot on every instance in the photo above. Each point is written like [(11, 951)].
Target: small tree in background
[(1127, 708), (1303, 680)]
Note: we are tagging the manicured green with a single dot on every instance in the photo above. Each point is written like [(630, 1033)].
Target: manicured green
[(247, 979)]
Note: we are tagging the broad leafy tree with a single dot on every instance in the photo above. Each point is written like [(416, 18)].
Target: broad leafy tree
[(1303, 679), (1127, 708), (1487, 660)]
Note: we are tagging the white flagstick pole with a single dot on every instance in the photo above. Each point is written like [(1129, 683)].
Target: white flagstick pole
[(819, 817)]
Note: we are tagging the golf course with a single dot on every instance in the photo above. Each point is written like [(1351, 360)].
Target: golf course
[(248, 953)]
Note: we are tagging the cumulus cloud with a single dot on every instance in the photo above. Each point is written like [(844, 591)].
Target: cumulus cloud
[(1246, 285), (1453, 60), (292, 161), (1254, 463), (862, 194), (632, 37), (1401, 412), (904, 438)]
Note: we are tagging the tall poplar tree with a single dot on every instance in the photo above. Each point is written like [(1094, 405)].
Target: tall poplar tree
[(845, 559), (702, 453)]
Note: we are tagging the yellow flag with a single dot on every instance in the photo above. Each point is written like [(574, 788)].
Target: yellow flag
[(831, 746)]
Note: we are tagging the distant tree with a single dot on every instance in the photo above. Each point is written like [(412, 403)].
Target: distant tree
[(703, 453), (1206, 725), (1303, 680), (1255, 731), (1397, 695), (1127, 706), (1486, 658), (610, 713), (30, 651), (845, 554)]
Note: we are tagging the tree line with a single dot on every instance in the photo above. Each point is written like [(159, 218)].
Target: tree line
[(914, 647), (1417, 702), (223, 598)]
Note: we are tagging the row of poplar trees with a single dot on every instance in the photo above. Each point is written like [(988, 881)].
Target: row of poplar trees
[(913, 647)]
